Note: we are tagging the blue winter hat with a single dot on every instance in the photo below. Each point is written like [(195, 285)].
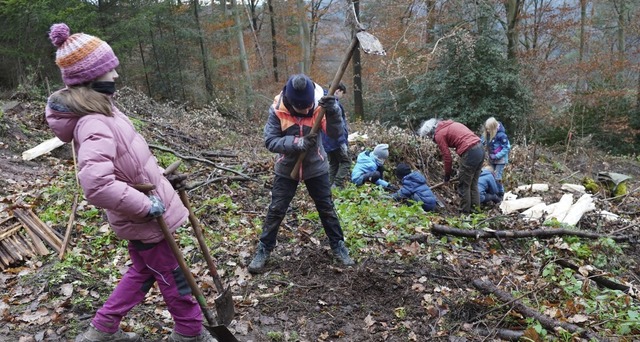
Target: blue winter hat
[(402, 170), (299, 91)]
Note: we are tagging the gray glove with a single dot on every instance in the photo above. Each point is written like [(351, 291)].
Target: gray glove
[(329, 103), (157, 207), (306, 142), (178, 181)]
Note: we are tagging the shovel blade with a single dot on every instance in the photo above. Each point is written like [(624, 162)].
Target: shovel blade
[(221, 333), (225, 307), (370, 44)]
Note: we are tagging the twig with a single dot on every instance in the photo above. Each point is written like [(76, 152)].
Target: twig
[(546, 321), (438, 229), (206, 161), (67, 234)]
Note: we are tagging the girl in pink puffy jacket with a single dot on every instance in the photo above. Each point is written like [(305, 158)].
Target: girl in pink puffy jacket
[(112, 157)]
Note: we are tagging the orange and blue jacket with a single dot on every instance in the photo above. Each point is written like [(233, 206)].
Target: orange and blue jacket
[(283, 129)]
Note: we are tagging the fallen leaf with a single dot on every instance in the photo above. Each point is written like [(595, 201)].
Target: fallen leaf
[(66, 289)]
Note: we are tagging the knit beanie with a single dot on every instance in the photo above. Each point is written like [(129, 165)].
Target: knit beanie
[(428, 128), (381, 151), (402, 170), (299, 91), (81, 57)]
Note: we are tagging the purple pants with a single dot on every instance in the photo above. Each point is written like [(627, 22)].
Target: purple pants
[(151, 263)]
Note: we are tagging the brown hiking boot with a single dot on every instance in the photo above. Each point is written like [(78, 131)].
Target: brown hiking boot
[(95, 335), (203, 337)]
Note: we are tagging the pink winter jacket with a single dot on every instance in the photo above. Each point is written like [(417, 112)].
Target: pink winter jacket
[(112, 156)]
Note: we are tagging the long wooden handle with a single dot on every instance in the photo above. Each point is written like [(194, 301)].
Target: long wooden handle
[(197, 229), (195, 290), (187, 272), (332, 89)]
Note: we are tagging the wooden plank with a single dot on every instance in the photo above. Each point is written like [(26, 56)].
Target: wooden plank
[(33, 223), (4, 257), (67, 234), (44, 147), (40, 248), (6, 219), (17, 249), (9, 249), (10, 231), (25, 241)]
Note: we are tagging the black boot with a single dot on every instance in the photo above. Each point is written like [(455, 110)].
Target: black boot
[(342, 254), (260, 259)]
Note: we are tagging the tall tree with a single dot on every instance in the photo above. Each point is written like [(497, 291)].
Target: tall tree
[(513, 9), (356, 60), (244, 61), (274, 41), (203, 51), (305, 63)]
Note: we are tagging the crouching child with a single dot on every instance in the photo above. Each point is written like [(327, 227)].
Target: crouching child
[(414, 188)]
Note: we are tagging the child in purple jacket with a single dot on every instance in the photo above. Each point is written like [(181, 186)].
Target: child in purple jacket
[(112, 158)]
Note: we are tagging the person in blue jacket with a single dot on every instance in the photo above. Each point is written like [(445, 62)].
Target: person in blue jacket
[(369, 167), (488, 187), (337, 149), (498, 146), (414, 187)]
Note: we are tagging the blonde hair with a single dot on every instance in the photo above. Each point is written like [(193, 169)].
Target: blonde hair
[(490, 128), (83, 100)]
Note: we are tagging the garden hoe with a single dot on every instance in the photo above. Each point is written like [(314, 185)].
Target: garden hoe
[(370, 45), (219, 331)]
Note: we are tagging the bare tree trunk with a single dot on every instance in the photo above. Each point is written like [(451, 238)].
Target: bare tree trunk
[(144, 68), (621, 9), (244, 61), (179, 61), (583, 20), (255, 38), (358, 107), (205, 60), (274, 44), (305, 64), (513, 8)]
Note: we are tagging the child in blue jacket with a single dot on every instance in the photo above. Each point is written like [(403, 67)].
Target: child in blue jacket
[(488, 187), (414, 187), (497, 142), (370, 166)]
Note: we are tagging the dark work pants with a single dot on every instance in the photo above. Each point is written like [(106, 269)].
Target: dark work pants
[(470, 169), (339, 166), (281, 195)]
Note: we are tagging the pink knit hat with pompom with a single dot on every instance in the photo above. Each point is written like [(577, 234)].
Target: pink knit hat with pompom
[(81, 57)]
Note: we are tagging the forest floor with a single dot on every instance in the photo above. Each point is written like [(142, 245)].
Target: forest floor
[(405, 287)]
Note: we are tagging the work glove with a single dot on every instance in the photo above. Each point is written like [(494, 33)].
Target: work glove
[(157, 207), (372, 176), (329, 103), (492, 156), (447, 178), (178, 181), (306, 142), (392, 188)]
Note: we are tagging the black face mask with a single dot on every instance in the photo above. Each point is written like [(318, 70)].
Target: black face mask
[(104, 87)]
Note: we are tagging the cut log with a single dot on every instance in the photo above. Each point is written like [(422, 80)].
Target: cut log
[(576, 188), (536, 212), (561, 207), (44, 147), (536, 187), (509, 206), (583, 204)]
